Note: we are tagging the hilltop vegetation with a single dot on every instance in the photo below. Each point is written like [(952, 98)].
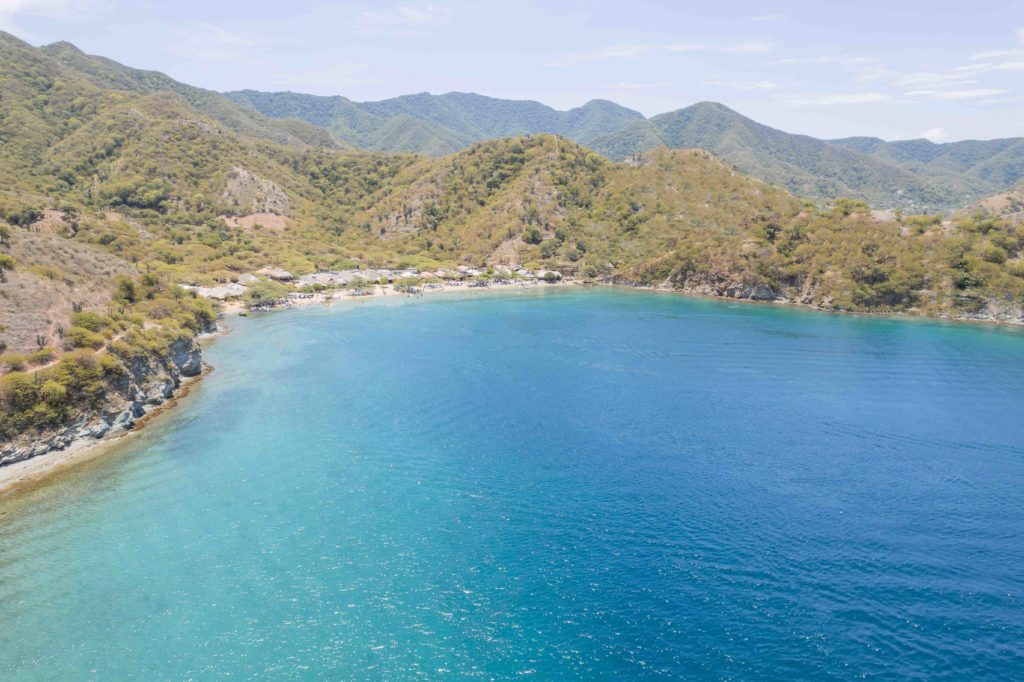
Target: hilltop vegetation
[(110, 75), (914, 175), (804, 165), (438, 124), (114, 193)]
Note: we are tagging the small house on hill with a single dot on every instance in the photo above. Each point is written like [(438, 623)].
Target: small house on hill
[(275, 273)]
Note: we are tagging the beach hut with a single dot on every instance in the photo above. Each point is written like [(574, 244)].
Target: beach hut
[(247, 279), (276, 273)]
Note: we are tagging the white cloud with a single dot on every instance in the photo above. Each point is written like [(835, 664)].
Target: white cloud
[(745, 85), (639, 86), (845, 98), (331, 80), (991, 54), (403, 19), (768, 17), (407, 15), (922, 79), (635, 50), (936, 135), (973, 93), (54, 9), (201, 41), (749, 47), (1009, 66)]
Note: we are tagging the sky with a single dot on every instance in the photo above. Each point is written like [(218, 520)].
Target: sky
[(892, 69)]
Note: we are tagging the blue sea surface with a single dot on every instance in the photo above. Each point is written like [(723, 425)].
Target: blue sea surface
[(557, 484)]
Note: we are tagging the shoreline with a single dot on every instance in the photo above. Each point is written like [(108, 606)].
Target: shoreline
[(29, 473), (33, 471), (329, 298), (902, 316)]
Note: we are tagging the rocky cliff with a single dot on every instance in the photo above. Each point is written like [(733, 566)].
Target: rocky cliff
[(146, 384)]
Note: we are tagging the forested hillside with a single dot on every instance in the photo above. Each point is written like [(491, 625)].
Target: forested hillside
[(438, 124), (914, 175), (112, 195)]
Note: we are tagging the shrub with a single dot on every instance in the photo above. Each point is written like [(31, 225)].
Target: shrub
[(80, 337), (533, 236), (53, 392), (42, 356), (994, 254), (13, 361), (94, 322), (125, 289)]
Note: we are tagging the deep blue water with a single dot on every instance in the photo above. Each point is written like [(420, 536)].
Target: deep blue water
[(571, 484)]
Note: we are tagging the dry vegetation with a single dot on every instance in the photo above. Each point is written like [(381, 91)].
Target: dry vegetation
[(54, 277)]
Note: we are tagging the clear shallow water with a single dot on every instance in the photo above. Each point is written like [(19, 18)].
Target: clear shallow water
[(570, 484)]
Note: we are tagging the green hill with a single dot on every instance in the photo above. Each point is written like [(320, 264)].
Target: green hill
[(114, 192), (911, 175), (999, 162), (448, 122), (108, 74), (145, 175), (804, 165), (907, 175)]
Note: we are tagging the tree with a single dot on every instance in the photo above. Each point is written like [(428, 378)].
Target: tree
[(126, 289), (360, 285), (533, 236), (265, 293)]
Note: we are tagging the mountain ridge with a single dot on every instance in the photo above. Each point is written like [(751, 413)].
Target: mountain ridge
[(118, 186), (886, 174), (909, 175)]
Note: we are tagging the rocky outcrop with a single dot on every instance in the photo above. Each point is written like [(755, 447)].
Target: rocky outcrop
[(707, 285), (1006, 312), (974, 310), (147, 383)]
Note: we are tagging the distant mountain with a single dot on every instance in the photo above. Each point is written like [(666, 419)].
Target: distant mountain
[(117, 184), (108, 74), (1000, 162), (446, 123), (914, 175), (805, 165)]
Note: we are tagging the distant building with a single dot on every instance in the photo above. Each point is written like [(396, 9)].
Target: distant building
[(276, 273)]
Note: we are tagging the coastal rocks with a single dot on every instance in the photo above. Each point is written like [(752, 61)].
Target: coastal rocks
[(750, 292), (187, 357), (728, 289), (148, 381), (95, 430), (996, 311), (11, 454)]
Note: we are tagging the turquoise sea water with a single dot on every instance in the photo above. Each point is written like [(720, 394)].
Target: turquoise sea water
[(564, 484)]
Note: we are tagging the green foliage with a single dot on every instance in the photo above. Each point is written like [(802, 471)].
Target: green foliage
[(265, 293), (187, 171), (42, 356), (533, 236), (13, 361), (881, 173), (80, 337), (125, 289)]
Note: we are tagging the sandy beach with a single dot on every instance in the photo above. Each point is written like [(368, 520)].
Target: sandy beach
[(328, 298)]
